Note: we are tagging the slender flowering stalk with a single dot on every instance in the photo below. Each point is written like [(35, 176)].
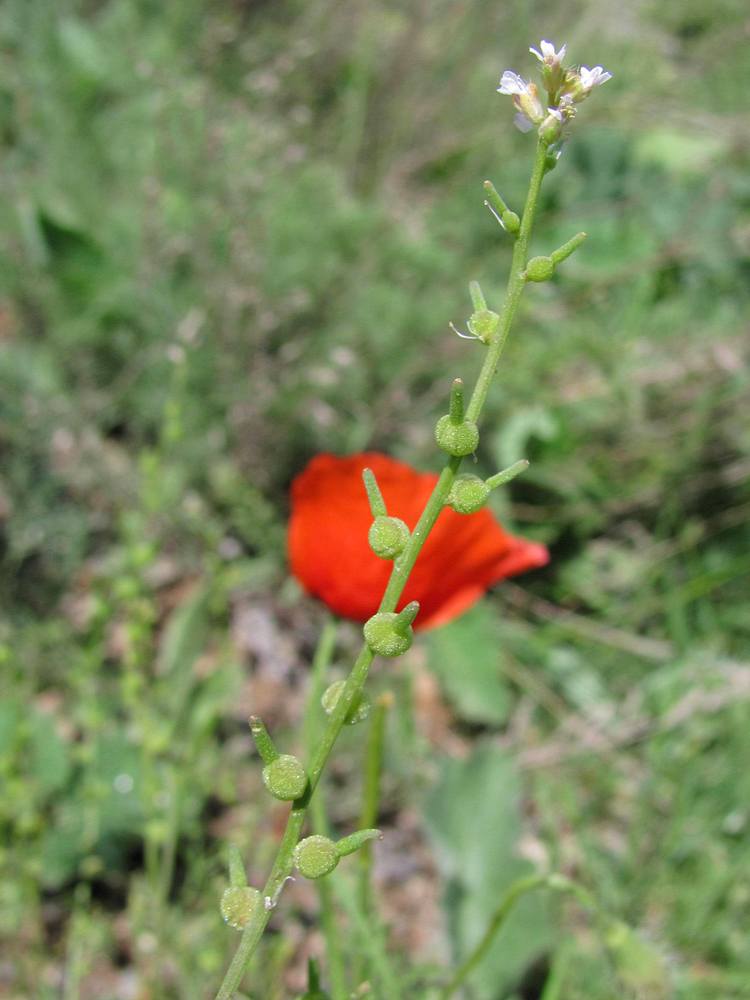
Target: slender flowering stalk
[(388, 632)]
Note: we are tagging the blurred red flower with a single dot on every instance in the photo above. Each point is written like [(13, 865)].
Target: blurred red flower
[(330, 556)]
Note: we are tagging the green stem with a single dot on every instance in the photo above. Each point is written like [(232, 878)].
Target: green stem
[(515, 286), (509, 900), (321, 661), (320, 664), (519, 888), (371, 796), (402, 567)]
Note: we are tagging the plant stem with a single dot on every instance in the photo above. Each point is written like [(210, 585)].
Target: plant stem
[(514, 288), (402, 567), (371, 796), (509, 900), (320, 664)]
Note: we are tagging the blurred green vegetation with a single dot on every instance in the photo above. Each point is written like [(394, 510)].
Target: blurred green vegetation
[(233, 235)]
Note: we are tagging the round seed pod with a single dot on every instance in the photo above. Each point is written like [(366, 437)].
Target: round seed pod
[(511, 221), (315, 856), (483, 324), (285, 778), (468, 494), (457, 439), (388, 537), (357, 713), (540, 269), (386, 636), (239, 904)]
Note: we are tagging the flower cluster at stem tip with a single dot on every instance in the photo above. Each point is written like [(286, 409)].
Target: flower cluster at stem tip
[(565, 87)]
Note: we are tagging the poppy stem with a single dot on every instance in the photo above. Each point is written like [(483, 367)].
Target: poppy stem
[(283, 865)]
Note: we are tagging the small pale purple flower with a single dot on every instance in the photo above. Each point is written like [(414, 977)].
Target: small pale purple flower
[(525, 99), (548, 54), (512, 83), (591, 78)]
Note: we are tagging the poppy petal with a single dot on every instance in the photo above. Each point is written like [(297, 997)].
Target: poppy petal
[(330, 556)]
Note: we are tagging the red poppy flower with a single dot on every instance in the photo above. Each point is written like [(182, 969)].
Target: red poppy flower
[(330, 556)]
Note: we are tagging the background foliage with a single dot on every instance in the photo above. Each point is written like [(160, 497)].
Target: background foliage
[(232, 236)]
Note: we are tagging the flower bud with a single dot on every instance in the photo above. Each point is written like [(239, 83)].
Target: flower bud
[(540, 269), (285, 778), (468, 494), (457, 438), (390, 634), (359, 710), (240, 904), (388, 537), (315, 856), (551, 128)]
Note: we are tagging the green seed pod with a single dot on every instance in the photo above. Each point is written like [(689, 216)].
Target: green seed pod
[(388, 537), (540, 269), (239, 904), (511, 221), (385, 635), (315, 856), (285, 778), (468, 494), (551, 129), (457, 439), (483, 324), (357, 713), (551, 158)]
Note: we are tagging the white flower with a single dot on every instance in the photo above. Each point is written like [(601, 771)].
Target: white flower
[(548, 54), (512, 83), (593, 77), (525, 99)]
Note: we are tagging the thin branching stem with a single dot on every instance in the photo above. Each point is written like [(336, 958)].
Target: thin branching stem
[(282, 867), (320, 664)]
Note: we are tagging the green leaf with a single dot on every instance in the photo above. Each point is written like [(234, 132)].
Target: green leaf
[(10, 716), (473, 820), (466, 658), (49, 756), (185, 634)]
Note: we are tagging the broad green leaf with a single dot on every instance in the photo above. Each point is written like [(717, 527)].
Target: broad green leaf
[(466, 658), (50, 759), (473, 819)]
